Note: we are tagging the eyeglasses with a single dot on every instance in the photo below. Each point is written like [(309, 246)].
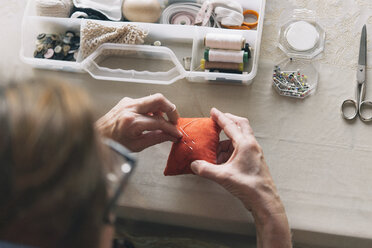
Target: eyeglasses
[(119, 166)]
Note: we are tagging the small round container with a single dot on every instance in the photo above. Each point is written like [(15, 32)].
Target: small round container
[(302, 36), (296, 78), (301, 39)]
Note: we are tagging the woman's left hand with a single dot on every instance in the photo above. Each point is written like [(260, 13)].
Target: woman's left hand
[(139, 123)]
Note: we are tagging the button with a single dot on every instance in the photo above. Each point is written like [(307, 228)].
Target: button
[(58, 49), (39, 47), (70, 34), (48, 40), (76, 55), (67, 40), (54, 37), (41, 36), (56, 46), (66, 48), (49, 54)]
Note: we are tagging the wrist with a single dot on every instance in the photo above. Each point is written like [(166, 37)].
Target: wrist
[(273, 231), (270, 218), (264, 201), (104, 126)]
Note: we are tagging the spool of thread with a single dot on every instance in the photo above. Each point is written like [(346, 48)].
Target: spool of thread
[(54, 8), (206, 65), (230, 56), (224, 41), (248, 49)]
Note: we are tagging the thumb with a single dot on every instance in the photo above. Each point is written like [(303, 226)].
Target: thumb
[(205, 169)]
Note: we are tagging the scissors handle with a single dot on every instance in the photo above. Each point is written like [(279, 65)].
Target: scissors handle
[(349, 104), (365, 111), (246, 25)]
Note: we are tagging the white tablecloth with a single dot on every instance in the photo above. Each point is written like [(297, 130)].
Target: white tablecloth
[(321, 164)]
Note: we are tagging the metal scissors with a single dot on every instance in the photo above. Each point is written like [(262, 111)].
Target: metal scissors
[(359, 104)]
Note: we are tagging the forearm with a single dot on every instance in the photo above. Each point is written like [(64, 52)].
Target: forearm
[(270, 217), (273, 232)]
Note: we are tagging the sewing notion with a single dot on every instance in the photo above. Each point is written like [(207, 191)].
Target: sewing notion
[(199, 142), (54, 8), (301, 39), (94, 34), (147, 41), (57, 46), (291, 83), (185, 14), (142, 10), (225, 53), (351, 108)]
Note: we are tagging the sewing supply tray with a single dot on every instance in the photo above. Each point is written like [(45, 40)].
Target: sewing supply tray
[(143, 63)]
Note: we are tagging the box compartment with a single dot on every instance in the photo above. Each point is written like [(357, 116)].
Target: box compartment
[(181, 41)]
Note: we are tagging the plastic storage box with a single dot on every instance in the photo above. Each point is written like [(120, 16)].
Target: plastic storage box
[(143, 63)]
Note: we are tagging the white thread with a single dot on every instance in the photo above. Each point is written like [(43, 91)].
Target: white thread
[(229, 56), (228, 17), (224, 41), (54, 8)]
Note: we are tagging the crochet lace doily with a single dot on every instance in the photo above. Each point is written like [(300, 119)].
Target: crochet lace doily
[(93, 34)]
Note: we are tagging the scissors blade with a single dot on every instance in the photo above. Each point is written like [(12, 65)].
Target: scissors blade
[(361, 73), (363, 47)]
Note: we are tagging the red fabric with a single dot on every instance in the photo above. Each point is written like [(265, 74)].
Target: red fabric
[(199, 142)]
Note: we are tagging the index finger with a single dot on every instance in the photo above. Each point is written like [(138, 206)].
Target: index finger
[(229, 127), (156, 103)]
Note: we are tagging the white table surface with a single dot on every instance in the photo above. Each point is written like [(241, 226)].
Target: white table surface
[(321, 164)]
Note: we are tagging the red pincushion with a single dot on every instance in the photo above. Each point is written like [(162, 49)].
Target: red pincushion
[(199, 142)]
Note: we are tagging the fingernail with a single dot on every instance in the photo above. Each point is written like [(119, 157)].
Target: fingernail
[(195, 163), (215, 111), (180, 134), (194, 166), (174, 107)]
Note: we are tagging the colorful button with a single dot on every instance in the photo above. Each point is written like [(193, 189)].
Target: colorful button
[(49, 54)]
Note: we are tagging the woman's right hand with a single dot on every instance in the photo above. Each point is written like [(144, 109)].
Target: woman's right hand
[(243, 171), (139, 123)]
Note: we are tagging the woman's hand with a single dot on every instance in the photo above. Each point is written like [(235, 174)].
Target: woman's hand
[(139, 123), (243, 171)]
